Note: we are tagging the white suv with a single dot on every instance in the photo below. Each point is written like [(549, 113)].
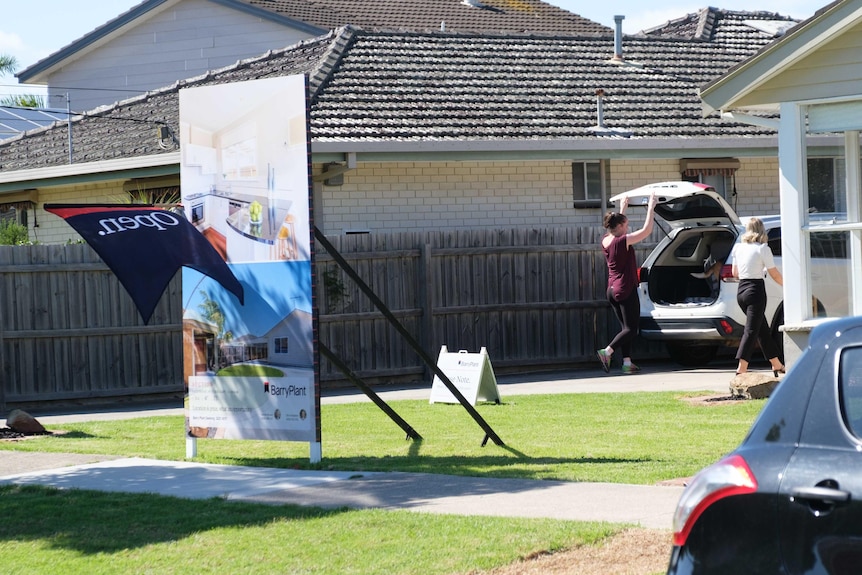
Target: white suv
[(696, 315)]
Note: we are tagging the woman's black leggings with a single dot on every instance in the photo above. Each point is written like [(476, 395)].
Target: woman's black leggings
[(751, 297), (628, 312)]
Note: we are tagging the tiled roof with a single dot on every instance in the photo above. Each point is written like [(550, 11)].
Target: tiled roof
[(317, 16), (470, 16), (725, 26), (401, 88)]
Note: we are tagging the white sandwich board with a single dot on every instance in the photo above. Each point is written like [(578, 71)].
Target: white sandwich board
[(471, 373)]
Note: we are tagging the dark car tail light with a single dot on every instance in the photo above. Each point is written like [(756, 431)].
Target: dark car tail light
[(726, 273), (730, 476)]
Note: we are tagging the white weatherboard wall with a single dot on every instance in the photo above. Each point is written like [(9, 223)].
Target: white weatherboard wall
[(185, 40), (51, 229)]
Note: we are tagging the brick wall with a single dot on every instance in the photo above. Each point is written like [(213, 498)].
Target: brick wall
[(757, 187), (420, 196)]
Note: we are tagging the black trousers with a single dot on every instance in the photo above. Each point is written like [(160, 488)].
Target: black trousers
[(628, 312), (751, 297)]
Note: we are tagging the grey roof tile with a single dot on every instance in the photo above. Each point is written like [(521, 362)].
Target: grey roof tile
[(738, 27), (485, 16), (408, 87)]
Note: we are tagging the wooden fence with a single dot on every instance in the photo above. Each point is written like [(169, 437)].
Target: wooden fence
[(69, 331), (533, 298)]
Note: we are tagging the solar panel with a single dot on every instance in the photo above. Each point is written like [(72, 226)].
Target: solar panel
[(14, 119)]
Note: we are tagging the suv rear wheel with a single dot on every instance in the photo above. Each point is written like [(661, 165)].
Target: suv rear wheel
[(688, 355)]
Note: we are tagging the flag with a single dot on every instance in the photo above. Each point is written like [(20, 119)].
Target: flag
[(145, 246)]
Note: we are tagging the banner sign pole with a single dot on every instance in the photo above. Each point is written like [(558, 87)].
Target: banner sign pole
[(251, 369)]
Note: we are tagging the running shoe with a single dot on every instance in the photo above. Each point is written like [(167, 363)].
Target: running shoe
[(605, 359), (630, 369)]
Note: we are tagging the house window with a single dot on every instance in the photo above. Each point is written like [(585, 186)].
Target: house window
[(826, 185), (589, 181), (716, 172), (281, 345), (10, 214), (164, 191), (13, 221)]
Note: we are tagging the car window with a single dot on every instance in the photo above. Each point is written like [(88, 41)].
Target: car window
[(850, 378), (774, 241), (690, 207), (687, 248)]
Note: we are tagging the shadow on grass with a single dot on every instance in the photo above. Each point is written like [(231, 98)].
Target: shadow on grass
[(92, 522), (72, 435), (520, 466)]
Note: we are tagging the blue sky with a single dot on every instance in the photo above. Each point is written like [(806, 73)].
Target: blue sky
[(30, 32)]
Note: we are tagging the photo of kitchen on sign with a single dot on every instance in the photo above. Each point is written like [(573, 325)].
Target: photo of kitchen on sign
[(244, 168)]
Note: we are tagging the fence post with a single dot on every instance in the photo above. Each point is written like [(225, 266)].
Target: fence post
[(3, 377), (426, 303)]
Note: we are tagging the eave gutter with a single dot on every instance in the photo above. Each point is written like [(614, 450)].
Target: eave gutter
[(70, 174), (556, 145), (323, 152), (555, 150)]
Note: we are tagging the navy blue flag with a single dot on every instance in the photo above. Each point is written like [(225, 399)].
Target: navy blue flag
[(145, 246)]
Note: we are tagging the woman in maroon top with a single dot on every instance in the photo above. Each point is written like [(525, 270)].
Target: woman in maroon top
[(623, 280)]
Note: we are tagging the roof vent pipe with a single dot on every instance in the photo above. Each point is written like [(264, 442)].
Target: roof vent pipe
[(618, 37), (600, 109)]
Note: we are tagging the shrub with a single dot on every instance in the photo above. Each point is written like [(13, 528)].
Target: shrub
[(13, 234)]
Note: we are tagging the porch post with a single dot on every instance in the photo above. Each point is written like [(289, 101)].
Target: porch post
[(794, 205)]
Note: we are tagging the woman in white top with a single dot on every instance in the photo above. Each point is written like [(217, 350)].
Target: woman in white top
[(751, 258)]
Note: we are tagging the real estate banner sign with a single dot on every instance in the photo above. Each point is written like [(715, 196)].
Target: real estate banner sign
[(250, 368)]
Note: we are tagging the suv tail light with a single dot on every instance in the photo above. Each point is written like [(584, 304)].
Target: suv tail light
[(643, 275), (730, 476), (727, 273)]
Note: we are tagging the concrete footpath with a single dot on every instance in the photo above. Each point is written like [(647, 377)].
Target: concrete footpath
[(644, 505)]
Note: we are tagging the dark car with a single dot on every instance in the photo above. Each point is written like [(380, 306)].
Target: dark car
[(788, 500)]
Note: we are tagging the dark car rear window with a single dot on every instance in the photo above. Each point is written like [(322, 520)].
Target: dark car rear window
[(850, 377), (690, 207)]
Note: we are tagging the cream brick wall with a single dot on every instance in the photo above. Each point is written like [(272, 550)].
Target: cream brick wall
[(422, 196), (757, 187)]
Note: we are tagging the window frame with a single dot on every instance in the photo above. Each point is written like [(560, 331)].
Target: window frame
[(604, 179)]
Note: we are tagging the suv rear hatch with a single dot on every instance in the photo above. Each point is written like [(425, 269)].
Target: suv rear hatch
[(680, 271), (684, 204)]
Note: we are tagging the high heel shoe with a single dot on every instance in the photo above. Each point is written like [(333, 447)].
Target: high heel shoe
[(775, 372)]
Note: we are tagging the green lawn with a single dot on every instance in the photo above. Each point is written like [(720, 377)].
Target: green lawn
[(631, 437), (49, 532), (623, 438), (250, 370)]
